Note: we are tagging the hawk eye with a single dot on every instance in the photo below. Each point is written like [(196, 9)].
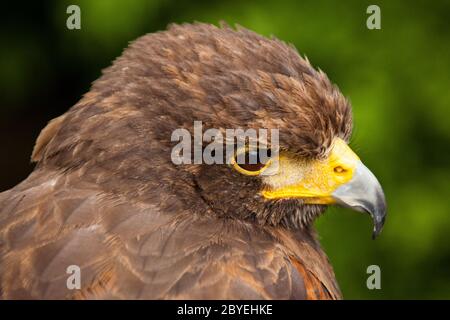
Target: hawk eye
[(251, 162)]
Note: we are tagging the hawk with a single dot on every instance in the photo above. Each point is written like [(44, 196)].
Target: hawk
[(106, 197)]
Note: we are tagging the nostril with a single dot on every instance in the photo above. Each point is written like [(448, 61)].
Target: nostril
[(339, 169)]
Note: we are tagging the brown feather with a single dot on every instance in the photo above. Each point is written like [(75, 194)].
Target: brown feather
[(105, 195)]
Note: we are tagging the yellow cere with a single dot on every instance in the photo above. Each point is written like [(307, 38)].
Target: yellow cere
[(315, 180)]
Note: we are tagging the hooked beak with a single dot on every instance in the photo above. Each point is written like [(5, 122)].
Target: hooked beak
[(340, 179), (364, 193)]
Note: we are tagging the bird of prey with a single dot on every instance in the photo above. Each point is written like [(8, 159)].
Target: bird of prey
[(106, 197)]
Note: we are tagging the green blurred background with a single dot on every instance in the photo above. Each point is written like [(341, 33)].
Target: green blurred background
[(397, 79)]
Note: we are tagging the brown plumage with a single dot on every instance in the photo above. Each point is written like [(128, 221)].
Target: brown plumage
[(105, 195)]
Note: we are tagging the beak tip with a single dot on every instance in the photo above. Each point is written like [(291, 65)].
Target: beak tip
[(376, 232), (378, 224)]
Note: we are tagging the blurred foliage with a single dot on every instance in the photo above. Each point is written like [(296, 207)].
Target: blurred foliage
[(397, 79)]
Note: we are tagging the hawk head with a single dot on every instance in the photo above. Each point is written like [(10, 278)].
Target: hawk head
[(120, 132)]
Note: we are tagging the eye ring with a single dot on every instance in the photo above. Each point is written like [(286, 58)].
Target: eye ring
[(250, 169)]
